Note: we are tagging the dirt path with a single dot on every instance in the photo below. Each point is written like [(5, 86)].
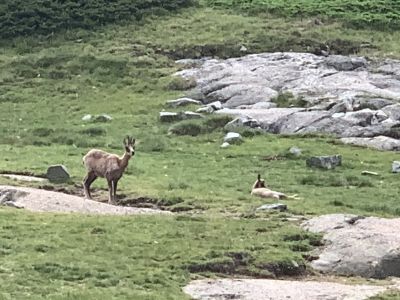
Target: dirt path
[(46, 201), (266, 289)]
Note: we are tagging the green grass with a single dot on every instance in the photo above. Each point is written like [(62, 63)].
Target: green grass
[(360, 13), (65, 257), (48, 84)]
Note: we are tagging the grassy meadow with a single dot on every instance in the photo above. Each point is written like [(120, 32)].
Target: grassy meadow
[(49, 82)]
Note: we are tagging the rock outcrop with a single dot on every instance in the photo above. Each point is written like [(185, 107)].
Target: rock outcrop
[(357, 246), (300, 93)]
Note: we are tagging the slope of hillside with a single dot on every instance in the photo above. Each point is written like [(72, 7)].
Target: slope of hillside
[(49, 83)]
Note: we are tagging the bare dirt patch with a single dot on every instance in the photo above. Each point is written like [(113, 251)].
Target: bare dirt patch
[(266, 289), (39, 200)]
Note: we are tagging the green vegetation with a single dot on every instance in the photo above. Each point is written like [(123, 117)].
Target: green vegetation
[(359, 13), (18, 17), (48, 83)]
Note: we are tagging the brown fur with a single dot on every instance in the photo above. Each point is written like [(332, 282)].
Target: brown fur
[(259, 189), (99, 163)]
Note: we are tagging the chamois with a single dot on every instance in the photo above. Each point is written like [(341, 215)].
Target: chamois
[(259, 189), (99, 163)]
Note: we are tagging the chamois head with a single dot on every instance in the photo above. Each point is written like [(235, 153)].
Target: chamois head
[(260, 183), (129, 144)]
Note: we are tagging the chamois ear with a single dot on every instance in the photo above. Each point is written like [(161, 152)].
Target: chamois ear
[(259, 177), (126, 140), (133, 141)]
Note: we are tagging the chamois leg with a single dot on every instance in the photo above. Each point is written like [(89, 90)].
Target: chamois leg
[(87, 181), (115, 183), (110, 191)]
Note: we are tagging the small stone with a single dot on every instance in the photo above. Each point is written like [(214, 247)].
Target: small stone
[(57, 174), (276, 206), (102, 118), (216, 105), (182, 102), (233, 138), (241, 122), (86, 117), (166, 116), (243, 49), (396, 166), (324, 162), (225, 145), (192, 115), (295, 151), (205, 109), (369, 173)]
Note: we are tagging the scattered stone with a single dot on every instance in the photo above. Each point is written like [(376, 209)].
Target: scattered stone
[(205, 109), (191, 115), (225, 145), (57, 174), (102, 118), (242, 122), (275, 206), (182, 102), (369, 173), (295, 151), (396, 167), (217, 105), (378, 142), (87, 118), (166, 116), (324, 162), (233, 138), (357, 246)]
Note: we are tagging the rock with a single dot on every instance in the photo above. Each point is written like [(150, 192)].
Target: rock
[(102, 118), (183, 102), (379, 142), (217, 105), (374, 103), (166, 116), (356, 246), (324, 162), (392, 111), (233, 138), (87, 118), (344, 63), (369, 173), (396, 167), (275, 206), (295, 151), (241, 122), (57, 174), (205, 110), (273, 289), (24, 177), (191, 115), (247, 86), (225, 145)]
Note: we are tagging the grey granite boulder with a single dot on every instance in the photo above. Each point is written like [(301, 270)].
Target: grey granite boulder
[(324, 162), (233, 138), (396, 166), (357, 246), (183, 102), (275, 206), (378, 142), (57, 174)]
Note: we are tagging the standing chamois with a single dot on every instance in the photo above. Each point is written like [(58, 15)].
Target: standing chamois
[(109, 166)]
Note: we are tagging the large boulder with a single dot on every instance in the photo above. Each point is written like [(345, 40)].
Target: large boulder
[(324, 162), (378, 142), (57, 174), (356, 246)]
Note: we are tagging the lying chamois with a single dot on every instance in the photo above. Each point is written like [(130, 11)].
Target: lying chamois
[(259, 189), (109, 166)]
